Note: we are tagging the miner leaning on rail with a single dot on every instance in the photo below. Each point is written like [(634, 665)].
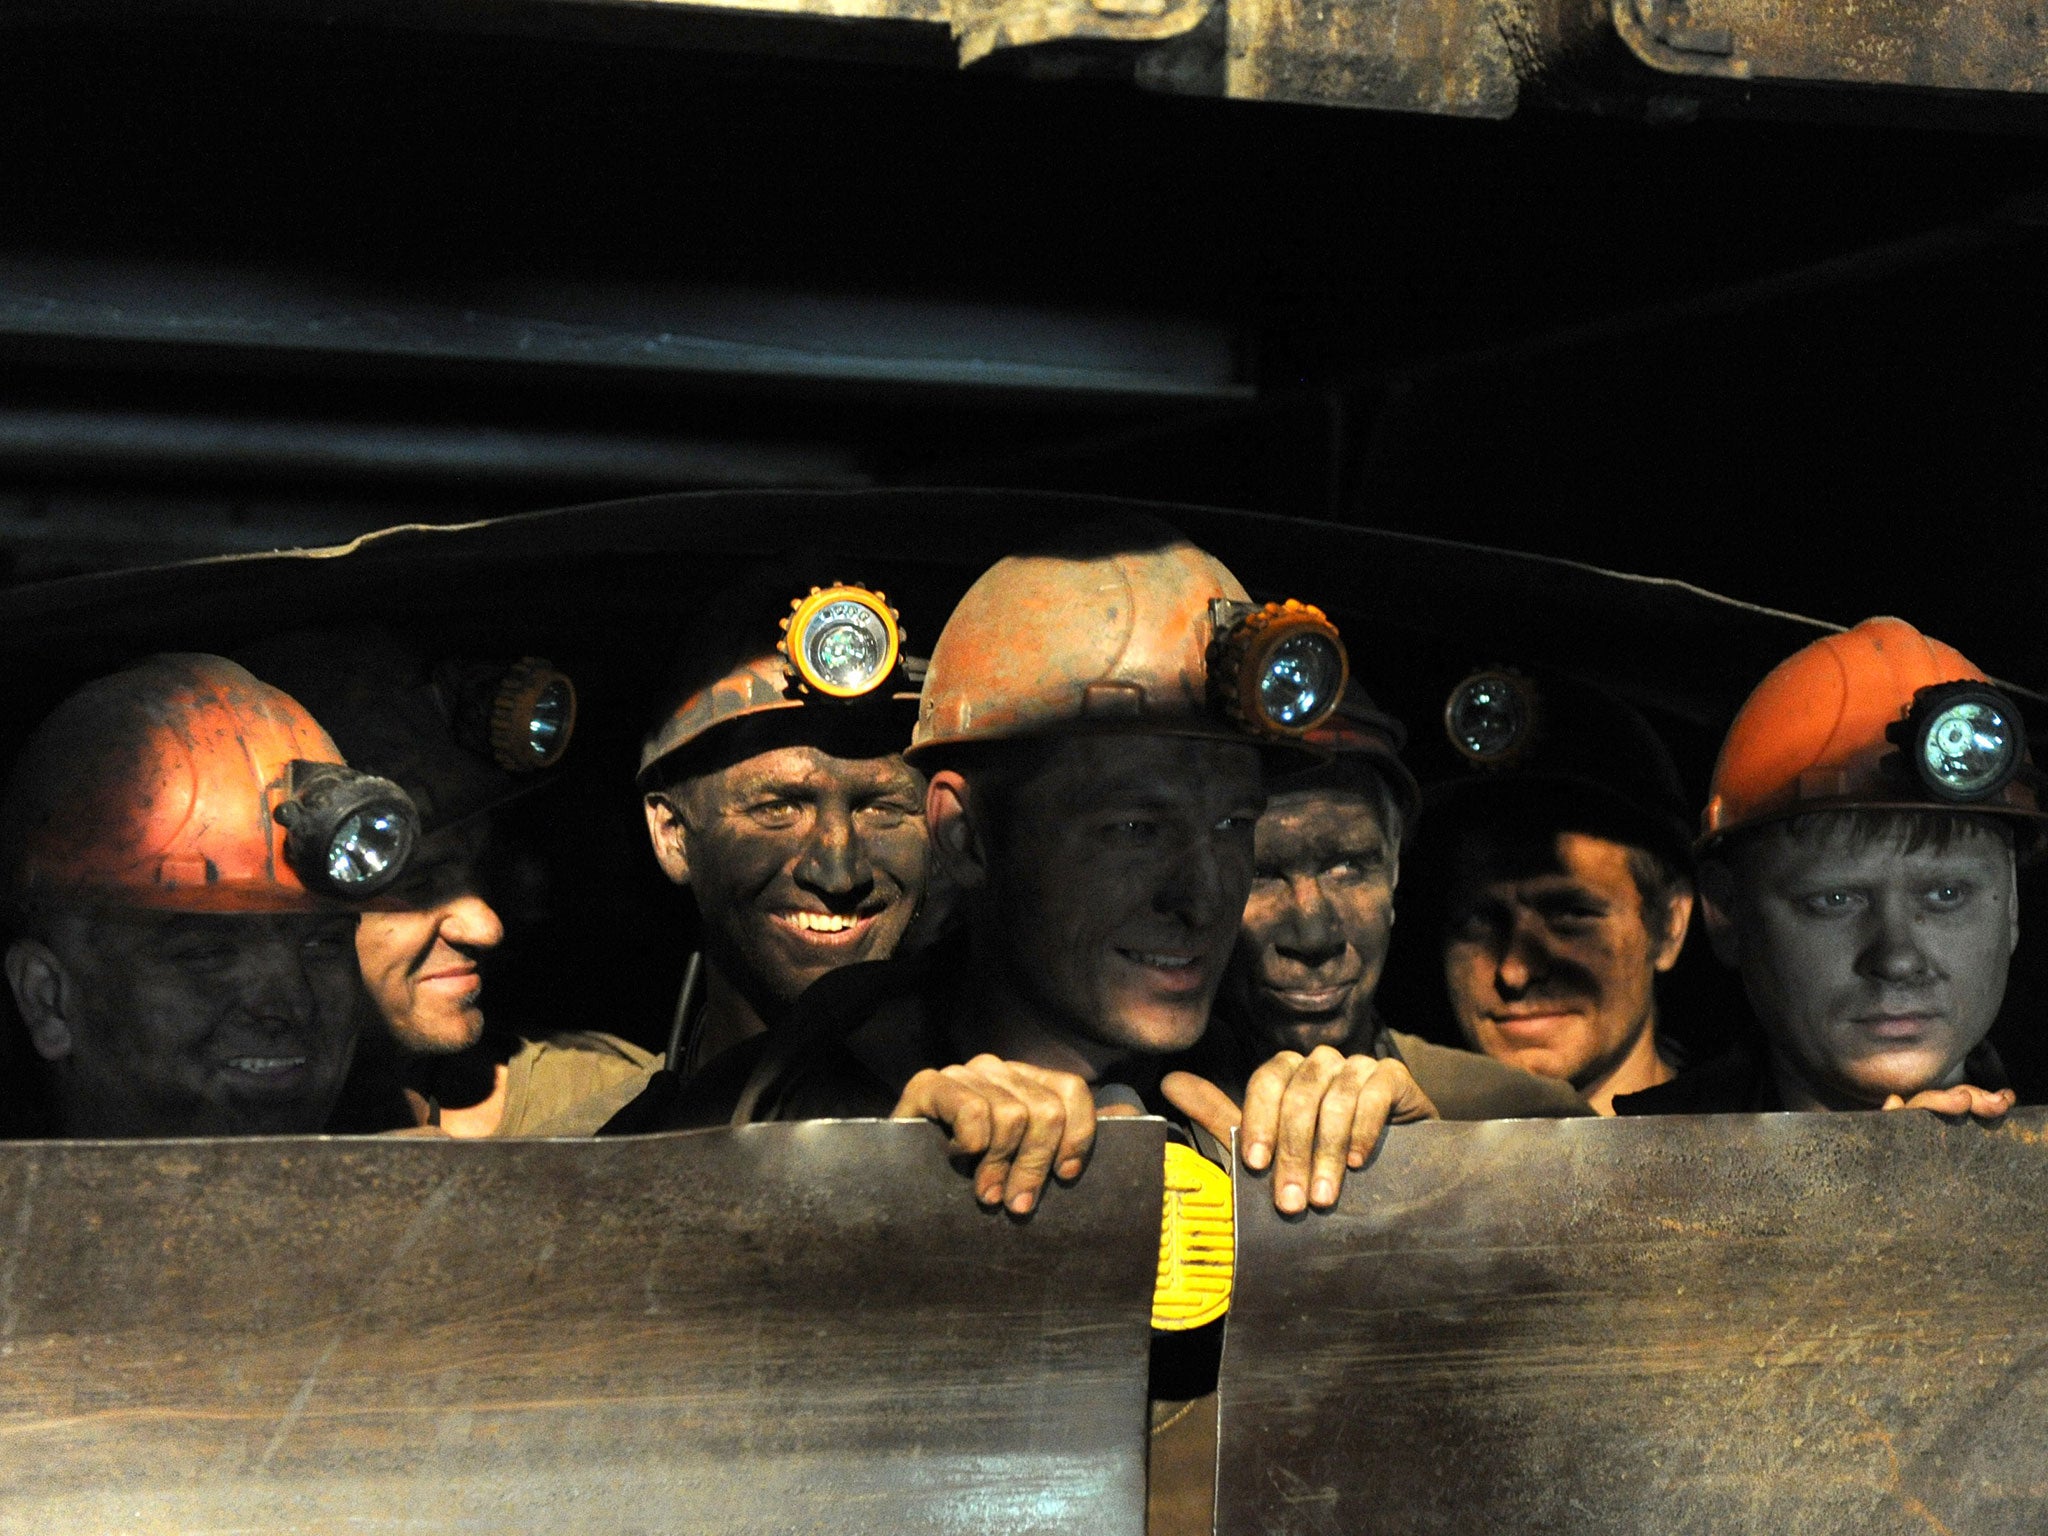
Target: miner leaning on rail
[(1096, 723), (1858, 866)]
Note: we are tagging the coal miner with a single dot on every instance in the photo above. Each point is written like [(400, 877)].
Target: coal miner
[(463, 738), (1095, 723), (1858, 870), (184, 853), (1558, 880), (776, 791), (1319, 923)]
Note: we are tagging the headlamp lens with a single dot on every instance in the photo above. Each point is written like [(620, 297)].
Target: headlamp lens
[(842, 640), (845, 646), (531, 714), (1277, 669), (1487, 717), (549, 722), (365, 846), (1968, 749), (346, 833), (1302, 677)]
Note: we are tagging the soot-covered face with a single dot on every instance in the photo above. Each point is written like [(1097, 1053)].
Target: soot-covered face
[(1317, 925), (175, 1024), (1115, 884), (800, 862)]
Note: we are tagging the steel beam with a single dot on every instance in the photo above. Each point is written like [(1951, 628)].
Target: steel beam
[(1806, 1325), (710, 333), (804, 1327)]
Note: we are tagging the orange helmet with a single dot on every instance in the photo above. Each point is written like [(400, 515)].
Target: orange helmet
[(838, 648), (184, 784), (1880, 717), (1126, 627)]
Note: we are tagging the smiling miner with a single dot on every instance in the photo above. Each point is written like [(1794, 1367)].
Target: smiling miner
[(776, 790)]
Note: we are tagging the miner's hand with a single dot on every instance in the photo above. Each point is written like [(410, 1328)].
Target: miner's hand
[(1963, 1099), (1025, 1124), (1311, 1117)]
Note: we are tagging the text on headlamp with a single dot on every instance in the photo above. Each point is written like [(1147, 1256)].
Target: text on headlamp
[(842, 640)]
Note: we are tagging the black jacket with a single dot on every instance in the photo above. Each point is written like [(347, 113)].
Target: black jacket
[(1740, 1083)]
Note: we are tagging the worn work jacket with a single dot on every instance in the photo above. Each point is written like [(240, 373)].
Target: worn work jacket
[(854, 1039), (862, 1032)]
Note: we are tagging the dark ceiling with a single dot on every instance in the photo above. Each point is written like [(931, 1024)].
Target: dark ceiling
[(1802, 363)]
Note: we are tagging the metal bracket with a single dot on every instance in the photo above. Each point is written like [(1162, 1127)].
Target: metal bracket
[(1669, 22)]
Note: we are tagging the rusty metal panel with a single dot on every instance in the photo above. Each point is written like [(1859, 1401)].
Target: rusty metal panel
[(831, 10), (804, 1327), (1978, 45), (1800, 1325), (1440, 56), (980, 27)]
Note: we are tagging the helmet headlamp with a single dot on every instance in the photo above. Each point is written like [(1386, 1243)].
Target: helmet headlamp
[(520, 716), (842, 640), (533, 715), (1963, 741), (1491, 717), (1279, 669), (346, 833)]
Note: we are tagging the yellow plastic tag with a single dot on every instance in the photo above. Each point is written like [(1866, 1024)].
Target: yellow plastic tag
[(1197, 1243)]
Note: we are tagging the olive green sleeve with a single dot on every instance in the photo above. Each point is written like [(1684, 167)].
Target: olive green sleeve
[(569, 1085)]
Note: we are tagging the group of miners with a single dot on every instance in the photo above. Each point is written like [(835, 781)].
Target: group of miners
[(1127, 842)]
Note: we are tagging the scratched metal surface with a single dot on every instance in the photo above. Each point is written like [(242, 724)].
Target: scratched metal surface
[(1977, 45), (787, 1328), (1450, 57), (1800, 1325)]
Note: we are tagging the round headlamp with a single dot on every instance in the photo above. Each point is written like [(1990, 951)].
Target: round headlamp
[(346, 834), (1281, 668), (533, 715), (842, 640), (1964, 741), (1491, 717)]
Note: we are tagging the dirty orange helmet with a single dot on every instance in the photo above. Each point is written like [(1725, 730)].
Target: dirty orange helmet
[(1880, 717), (184, 784), (1126, 627), (837, 648)]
